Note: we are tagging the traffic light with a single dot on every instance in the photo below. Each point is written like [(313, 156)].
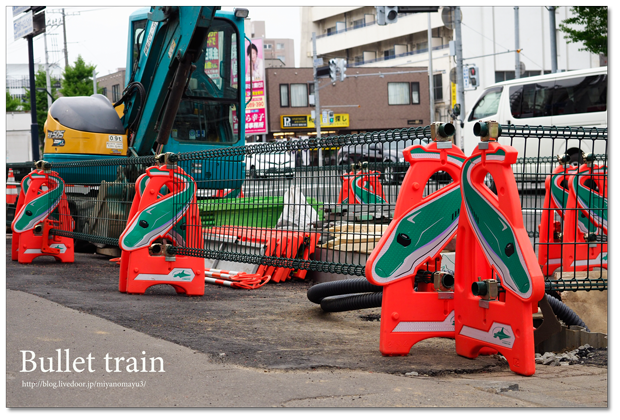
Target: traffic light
[(391, 14), (322, 71), (333, 65), (342, 67), (474, 81)]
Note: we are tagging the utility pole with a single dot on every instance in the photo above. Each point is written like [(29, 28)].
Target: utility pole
[(431, 85), (94, 82), (317, 103), (460, 84), (34, 126), (64, 33), (554, 45), (517, 61), (47, 72)]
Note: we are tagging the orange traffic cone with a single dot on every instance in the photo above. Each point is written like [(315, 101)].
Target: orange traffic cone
[(11, 189)]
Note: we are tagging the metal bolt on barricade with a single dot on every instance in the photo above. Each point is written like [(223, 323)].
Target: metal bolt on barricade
[(493, 244)]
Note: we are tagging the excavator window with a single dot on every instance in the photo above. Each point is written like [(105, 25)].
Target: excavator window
[(138, 37), (208, 111)]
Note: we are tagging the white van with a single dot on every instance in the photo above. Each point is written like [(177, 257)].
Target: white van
[(573, 98)]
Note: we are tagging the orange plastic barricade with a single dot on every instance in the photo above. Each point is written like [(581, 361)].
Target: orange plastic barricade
[(277, 243), (550, 229), (42, 192), (230, 193), (361, 187), (498, 282), (410, 250), (585, 221), (163, 213)]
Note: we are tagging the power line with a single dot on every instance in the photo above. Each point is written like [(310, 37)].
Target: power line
[(499, 45)]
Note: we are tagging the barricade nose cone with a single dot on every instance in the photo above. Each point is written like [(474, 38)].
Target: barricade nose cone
[(446, 130), (479, 288), (477, 129)]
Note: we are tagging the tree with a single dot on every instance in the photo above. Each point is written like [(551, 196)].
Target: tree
[(77, 80), (592, 28), (41, 98), (12, 104)]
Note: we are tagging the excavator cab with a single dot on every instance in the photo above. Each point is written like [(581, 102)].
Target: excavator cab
[(184, 92)]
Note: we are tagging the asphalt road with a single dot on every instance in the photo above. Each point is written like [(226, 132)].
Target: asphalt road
[(241, 338), (274, 327), (189, 378)]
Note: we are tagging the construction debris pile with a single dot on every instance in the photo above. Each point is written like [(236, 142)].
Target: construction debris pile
[(580, 355)]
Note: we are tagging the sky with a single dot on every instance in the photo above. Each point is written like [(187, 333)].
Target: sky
[(99, 34)]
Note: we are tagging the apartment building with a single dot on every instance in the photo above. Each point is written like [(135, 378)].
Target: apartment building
[(488, 39), (278, 52), (112, 84), (369, 99)]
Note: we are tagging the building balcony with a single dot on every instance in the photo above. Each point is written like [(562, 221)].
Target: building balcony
[(395, 57), (371, 33)]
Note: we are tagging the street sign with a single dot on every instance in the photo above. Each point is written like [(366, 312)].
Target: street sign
[(318, 62), (23, 26), (453, 93), (447, 16), (465, 77)]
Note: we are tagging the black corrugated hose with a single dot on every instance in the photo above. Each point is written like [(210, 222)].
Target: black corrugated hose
[(359, 293), (341, 287), (352, 302), (564, 313)]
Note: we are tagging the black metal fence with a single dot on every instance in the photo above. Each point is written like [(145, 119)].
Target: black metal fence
[(321, 204)]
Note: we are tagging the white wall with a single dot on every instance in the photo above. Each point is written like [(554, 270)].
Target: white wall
[(18, 135)]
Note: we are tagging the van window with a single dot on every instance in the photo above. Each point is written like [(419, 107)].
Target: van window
[(533, 100), (487, 105), (580, 95), (576, 95)]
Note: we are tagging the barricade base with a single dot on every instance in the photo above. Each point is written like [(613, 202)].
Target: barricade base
[(501, 319), (28, 247), (159, 271), (402, 309)]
